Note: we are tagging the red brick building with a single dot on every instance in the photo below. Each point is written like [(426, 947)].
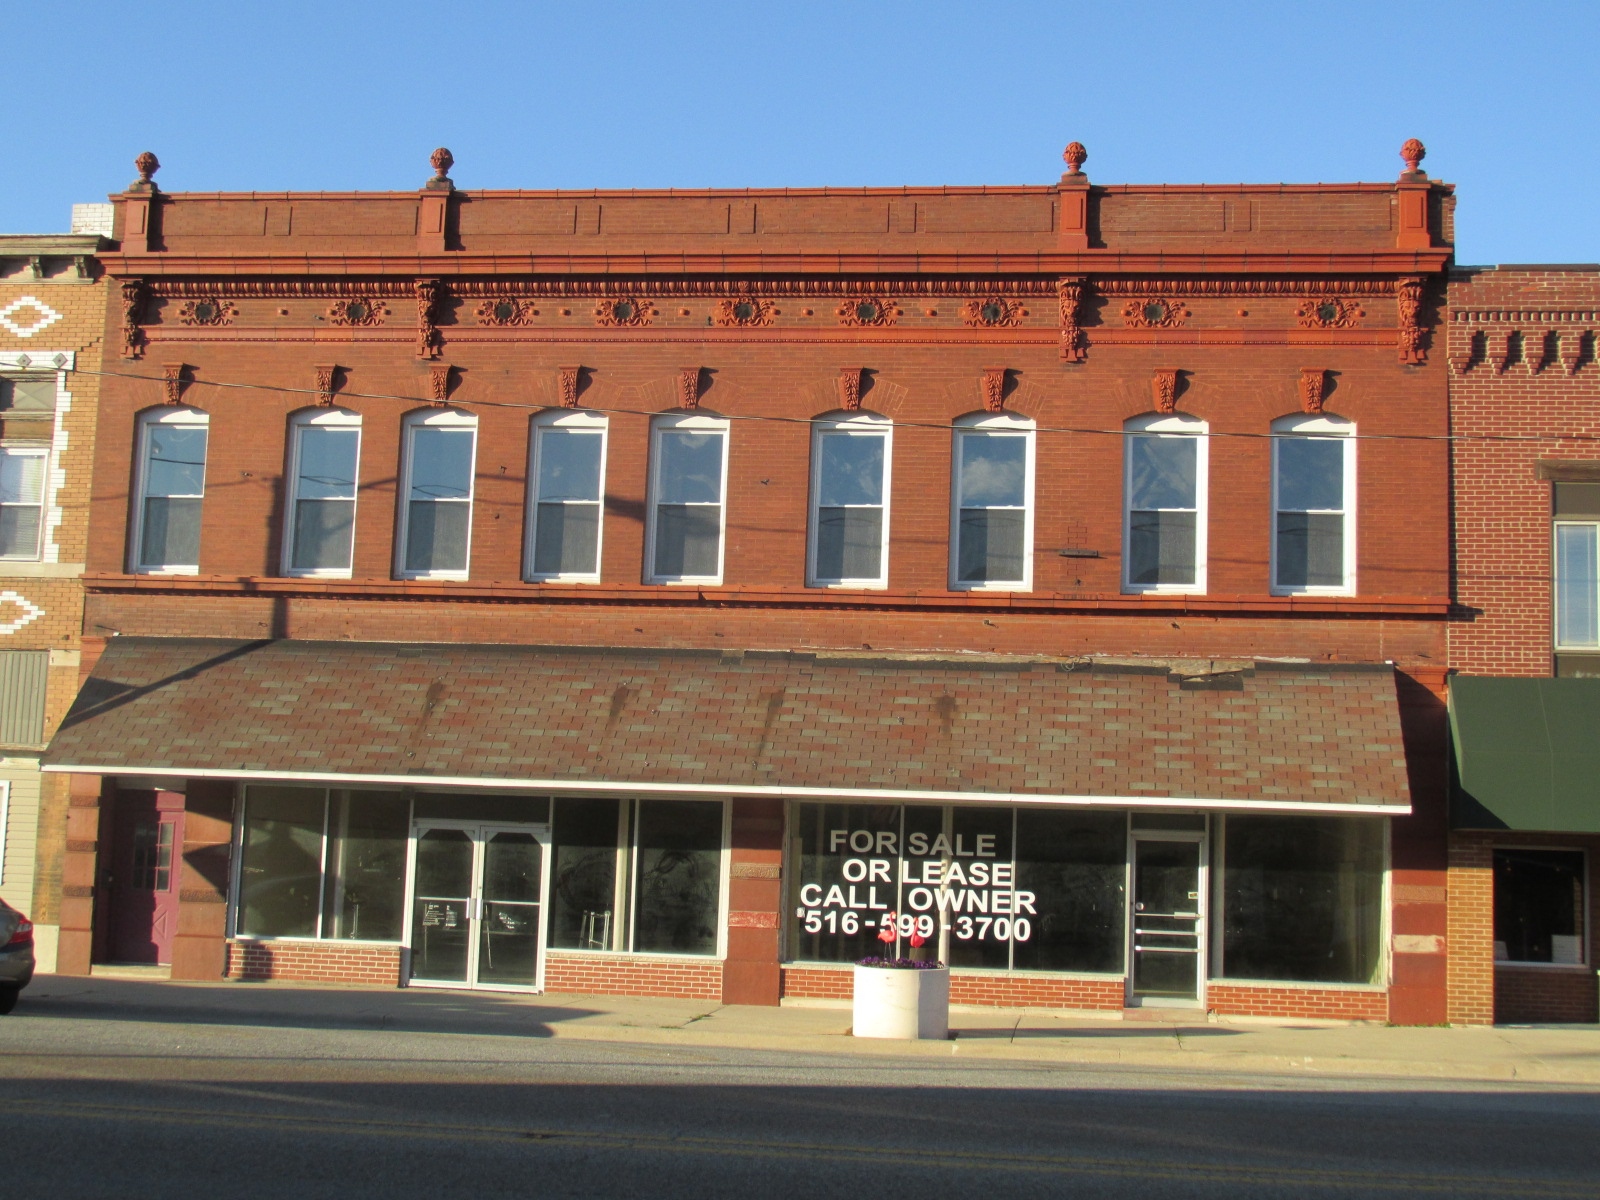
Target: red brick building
[(654, 591), (1525, 651)]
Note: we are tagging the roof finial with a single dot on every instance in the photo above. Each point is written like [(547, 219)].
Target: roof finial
[(1075, 156), (147, 164), (441, 160), (1413, 152)]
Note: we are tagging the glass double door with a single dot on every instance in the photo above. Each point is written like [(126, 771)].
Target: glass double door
[(1168, 921), (478, 903)]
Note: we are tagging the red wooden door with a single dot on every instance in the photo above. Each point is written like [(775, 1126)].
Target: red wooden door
[(146, 859)]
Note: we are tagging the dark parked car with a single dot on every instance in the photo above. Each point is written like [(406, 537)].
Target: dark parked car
[(16, 955)]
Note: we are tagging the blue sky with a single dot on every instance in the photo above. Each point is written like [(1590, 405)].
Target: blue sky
[(343, 94)]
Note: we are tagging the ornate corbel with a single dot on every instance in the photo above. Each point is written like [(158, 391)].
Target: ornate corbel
[(325, 383), (850, 388), (567, 385), (1460, 359), (1409, 334), (1069, 294), (1164, 389), (994, 389), (1569, 348), (1535, 346), (1500, 346), (440, 380), (1313, 389), (133, 297), (173, 381), (689, 387), (429, 293)]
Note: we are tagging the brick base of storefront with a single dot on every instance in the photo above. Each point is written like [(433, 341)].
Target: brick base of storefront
[(1298, 1003), (1545, 996), (314, 962), (614, 975)]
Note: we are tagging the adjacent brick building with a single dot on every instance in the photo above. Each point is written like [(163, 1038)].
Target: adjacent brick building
[(651, 591), (1525, 474), (52, 321)]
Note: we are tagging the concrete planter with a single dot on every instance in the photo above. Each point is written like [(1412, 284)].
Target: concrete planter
[(895, 1003)]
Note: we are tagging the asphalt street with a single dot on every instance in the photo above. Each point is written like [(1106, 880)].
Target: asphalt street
[(94, 1104)]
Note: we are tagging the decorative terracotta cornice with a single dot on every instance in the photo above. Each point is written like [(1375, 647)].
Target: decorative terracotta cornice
[(365, 312), (1069, 298), (988, 312), (747, 311), (1408, 298), (429, 294), (133, 298), (1153, 312)]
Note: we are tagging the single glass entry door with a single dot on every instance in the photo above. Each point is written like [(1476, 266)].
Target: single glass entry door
[(477, 912), (1166, 922)]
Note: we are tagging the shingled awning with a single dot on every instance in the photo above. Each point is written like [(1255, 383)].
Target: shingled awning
[(885, 728)]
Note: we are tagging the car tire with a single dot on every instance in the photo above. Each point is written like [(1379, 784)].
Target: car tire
[(8, 999)]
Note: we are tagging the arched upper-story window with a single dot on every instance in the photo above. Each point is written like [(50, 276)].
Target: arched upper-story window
[(169, 483), (439, 451), (324, 457), (1313, 505), (849, 542), (991, 502), (1164, 530), (688, 489), (566, 489)]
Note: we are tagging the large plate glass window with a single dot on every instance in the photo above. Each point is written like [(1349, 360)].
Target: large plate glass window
[(688, 472), (1313, 505), (22, 473), (991, 500), (171, 486), (1164, 533), (567, 488), (325, 449), (437, 486), (1540, 899), (850, 502)]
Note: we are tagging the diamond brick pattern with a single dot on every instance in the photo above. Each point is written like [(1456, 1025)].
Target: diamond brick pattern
[(976, 725)]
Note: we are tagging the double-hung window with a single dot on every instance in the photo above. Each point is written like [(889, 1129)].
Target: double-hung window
[(172, 478), (567, 485), (1164, 534), (1577, 569), (22, 474), (991, 502), (850, 503), (325, 448), (1313, 505), (436, 485), (689, 467)]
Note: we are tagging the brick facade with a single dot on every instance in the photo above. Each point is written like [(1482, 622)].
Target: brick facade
[(1523, 392), (1236, 306)]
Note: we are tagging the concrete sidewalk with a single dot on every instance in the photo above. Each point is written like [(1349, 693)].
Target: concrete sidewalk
[(1530, 1054)]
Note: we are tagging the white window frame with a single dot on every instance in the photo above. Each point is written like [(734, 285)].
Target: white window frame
[(442, 418), (41, 451), (991, 423), (849, 424), (1592, 524), (1327, 427), (318, 418), (1169, 424), (694, 421), (564, 419), (1583, 942), (174, 415)]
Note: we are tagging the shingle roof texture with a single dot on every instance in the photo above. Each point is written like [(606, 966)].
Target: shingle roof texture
[(1275, 733)]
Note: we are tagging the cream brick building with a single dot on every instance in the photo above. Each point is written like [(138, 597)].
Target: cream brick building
[(52, 323)]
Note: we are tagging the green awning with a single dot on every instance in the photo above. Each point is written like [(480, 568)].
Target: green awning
[(1527, 754)]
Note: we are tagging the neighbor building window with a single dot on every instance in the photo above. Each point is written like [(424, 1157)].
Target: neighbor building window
[(1577, 567), (22, 475), (1313, 505), (567, 485), (992, 503), (436, 518), (1539, 906), (171, 486), (1164, 534), (325, 449), (850, 502), (689, 463)]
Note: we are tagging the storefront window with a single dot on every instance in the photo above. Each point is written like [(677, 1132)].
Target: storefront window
[(1538, 906), (1302, 898), (678, 876), (583, 874), (315, 863), (988, 887)]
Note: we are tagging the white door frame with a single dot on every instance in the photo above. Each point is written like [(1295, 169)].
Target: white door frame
[(1202, 970)]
